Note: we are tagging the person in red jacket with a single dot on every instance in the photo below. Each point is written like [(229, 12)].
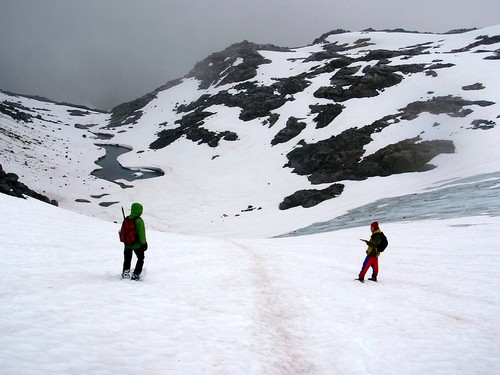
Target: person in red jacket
[(372, 253)]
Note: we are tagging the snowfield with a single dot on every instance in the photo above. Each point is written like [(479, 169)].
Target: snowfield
[(261, 306)]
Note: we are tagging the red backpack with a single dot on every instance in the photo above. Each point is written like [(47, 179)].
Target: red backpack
[(128, 234)]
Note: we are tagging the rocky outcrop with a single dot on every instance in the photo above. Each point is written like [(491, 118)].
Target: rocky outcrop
[(339, 158), (482, 40), (237, 63), (191, 128), (475, 86), (291, 130), (326, 113), (10, 185), (333, 159), (16, 111), (483, 124), (345, 84), (451, 105), (311, 197), (254, 100)]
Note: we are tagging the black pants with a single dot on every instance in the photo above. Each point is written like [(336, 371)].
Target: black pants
[(127, 260)]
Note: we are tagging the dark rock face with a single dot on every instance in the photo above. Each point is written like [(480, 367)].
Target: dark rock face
[(483, 40), (326, 113), (340, 157), (257, 101), (10, 185), (475, 86), (292, 129), (409, 155), (310, 198), (322, 38), (450, 105), (332, 159), (345, 85), (191, 127), (219, 68), (16, 111), (77, 112), (483, 124)]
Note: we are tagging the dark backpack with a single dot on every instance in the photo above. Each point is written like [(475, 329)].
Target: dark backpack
[(128, 234), (383, 242)]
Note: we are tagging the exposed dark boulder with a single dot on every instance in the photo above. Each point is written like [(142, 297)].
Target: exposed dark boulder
[(483, 124), (291, 85), (410, 155), (326, 113), (10, 185), (330, 160), (450, 105), (291, 130), (166, 137), (16, 111), (312, 197), (258, 101), (475, 86), (323, 38)]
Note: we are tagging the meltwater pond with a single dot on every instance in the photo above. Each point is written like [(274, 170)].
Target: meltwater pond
[(112, 170), (473, 196)]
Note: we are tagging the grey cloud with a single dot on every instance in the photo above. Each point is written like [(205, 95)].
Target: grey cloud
[(101, 53)]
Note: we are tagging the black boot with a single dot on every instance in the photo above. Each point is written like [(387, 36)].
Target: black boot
[(126, 274)]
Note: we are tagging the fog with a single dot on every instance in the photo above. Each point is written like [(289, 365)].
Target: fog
[(101, 53)]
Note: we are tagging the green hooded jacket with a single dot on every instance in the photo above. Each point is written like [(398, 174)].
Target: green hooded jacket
[(135, 213)]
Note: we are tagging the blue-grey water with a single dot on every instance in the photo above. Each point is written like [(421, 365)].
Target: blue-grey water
[(112, 170), (473, 196)]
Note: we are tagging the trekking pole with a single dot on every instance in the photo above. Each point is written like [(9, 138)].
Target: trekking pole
[(123, 213)]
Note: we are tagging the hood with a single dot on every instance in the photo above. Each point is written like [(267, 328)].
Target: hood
[(136, 210)]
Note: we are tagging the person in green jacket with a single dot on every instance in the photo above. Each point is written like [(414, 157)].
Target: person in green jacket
[(138, 247)]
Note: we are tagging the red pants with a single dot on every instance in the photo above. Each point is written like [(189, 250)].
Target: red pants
[(369, 262)]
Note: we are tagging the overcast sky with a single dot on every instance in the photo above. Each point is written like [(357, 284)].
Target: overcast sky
[(101, 53)]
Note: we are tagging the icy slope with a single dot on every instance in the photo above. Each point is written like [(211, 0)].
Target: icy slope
[(212, 306)]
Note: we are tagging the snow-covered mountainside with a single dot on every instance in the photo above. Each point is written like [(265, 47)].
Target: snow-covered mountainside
[(258, 133)]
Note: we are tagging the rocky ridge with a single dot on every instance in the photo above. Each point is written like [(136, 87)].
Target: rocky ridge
[(355, 70)]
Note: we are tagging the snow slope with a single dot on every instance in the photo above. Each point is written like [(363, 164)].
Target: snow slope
[(268, 306)]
